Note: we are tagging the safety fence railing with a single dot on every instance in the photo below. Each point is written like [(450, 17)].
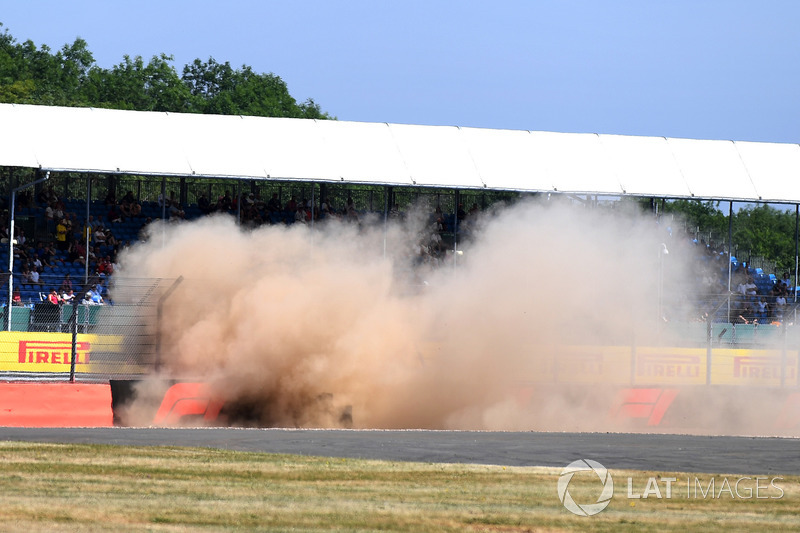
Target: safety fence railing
[(86, 341)]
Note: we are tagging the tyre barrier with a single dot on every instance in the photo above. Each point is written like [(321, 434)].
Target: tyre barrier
[(705, 410)]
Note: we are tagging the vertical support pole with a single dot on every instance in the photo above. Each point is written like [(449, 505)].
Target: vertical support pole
[(73, 324), (455, 231), (11, 259), (86, 229), (385, 217), (730, 254), (164, 198), (796, 229), (159, 315), (239, 202), (313, 203)]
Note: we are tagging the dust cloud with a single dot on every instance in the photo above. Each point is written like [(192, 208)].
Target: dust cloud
[(298, 325)]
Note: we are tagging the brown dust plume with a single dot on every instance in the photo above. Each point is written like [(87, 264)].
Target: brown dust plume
[(297, 322)]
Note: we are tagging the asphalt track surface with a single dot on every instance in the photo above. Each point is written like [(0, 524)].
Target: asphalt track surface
[(672, 453)]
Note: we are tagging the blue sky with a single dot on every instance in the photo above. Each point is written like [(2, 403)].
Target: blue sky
[(679, 68)]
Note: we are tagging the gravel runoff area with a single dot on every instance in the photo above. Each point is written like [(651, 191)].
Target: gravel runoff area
[(678, 453)]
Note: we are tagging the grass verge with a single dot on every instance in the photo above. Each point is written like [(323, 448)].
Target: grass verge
[(49, 487)]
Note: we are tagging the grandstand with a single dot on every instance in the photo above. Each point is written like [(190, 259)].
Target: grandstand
[(194, 158)]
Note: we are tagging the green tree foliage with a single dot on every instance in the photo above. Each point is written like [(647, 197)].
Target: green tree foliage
[(70, 77), (134, 85), (760, 230), (220, 89), (767, 232), (699, 214)]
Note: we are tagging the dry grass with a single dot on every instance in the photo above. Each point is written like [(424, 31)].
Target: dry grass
[(47, 487)]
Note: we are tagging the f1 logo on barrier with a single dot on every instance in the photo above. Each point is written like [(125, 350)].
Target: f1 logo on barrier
[(651, 404), (187, 399)]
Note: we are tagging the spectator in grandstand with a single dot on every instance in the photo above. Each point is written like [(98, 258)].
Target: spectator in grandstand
[(291, 205), (36, 262), (274, 204), (76, 252), (110, 199), (204, 205), (53, 297), (748, 287), (780, 305), (129, 206), (16, 297), (66, 284), (35, 276), (787, 280), (352, 215), (95, 297), (300, 215), (61, 235), (67, 296), (100, 235), (110, 239), (21, 253), (113, 215), (49, 217), (25, 273), (104, 266), (175, 210), (47, 254), (21, 238), (58, 214), (225, 202), (94, 255)]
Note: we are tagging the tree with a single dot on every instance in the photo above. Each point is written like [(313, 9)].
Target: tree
[(697, 214), (70, 77), (133, 85), (220, 89), (766, 232)]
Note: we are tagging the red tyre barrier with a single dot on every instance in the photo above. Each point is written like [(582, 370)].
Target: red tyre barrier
[(55, 405)]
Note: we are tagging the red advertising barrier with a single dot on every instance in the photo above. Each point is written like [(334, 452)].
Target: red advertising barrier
[(55, 405), (685, 409)]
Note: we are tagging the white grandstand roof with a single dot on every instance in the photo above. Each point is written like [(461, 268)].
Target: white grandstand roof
[(174, 144)]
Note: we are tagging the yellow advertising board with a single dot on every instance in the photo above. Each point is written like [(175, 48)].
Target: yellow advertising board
[(669, 366), (754, 367), (51, 352), (651, 366)]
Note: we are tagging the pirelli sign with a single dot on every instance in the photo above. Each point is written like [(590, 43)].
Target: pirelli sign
[(51, 352)]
